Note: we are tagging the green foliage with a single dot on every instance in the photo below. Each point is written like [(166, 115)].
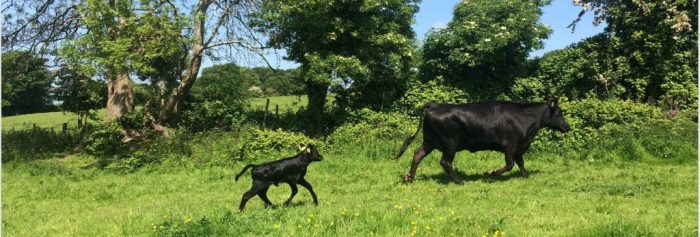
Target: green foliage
[(119, 39), (25, 83), (224, 83), (200, 116), (102, 138), (652, 48), (621, 129), (485, 46), (365, 125), (133, 120), (576, 72), (438, 91), (79, 93), (267, 145), (366, 42), (278, 82)]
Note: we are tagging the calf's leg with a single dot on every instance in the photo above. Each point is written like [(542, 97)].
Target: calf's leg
[(294, 192), (257, 186), (307, 185), (421, 152), (263, 195), (446, 162)]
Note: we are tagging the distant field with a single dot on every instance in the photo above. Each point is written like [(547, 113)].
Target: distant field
[(287, 102), (55, 119), (44, 120)]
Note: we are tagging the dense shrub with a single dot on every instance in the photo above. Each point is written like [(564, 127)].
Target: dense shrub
[(618, 128), (418, 94), (211, 114), (265, 144), (367, 124), (102, 139)]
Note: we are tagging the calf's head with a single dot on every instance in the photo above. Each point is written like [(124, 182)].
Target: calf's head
[(311, 152), (556, 119)]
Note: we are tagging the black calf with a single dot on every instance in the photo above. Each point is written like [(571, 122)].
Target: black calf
[(289, 170)]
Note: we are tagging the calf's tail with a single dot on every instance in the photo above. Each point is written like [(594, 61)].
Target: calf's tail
[(244, 170), (410, 139)]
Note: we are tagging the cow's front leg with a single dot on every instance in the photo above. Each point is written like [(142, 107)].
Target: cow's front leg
[(446, 162), (418, 155), (509, 157)]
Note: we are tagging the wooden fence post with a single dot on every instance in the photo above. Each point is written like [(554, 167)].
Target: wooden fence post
[(64, 129), (267, 107), (277, 110)]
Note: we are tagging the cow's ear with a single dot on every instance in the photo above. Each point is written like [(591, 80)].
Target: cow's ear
[(302, 147), (550, 102)]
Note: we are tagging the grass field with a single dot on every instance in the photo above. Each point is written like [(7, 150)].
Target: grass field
[(56, 119), (289, 102), (360, 195)]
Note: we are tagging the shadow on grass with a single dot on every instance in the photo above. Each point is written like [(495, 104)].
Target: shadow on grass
[(443, 178)]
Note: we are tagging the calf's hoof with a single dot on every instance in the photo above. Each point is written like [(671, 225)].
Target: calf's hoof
[(525, 175), (407, 178), (459, 182)]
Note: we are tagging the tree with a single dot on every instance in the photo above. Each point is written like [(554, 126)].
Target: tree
[(485, 46), (25, 83), (79, 93), (575, 72), (357, 48), (653, 47), (223, 83), (156, 39)]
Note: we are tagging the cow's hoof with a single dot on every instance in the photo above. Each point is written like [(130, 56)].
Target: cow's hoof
[(407, 178), (459, 182), (526, 175), (490, 172)]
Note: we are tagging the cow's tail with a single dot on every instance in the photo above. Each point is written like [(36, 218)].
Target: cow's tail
[(410, 139), (244, 170)]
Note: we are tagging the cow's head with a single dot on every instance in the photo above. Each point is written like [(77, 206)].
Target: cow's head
[(556, 119), (311, 152)]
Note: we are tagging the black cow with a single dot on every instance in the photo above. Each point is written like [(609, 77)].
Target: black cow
[(289, 170), (508, 127)]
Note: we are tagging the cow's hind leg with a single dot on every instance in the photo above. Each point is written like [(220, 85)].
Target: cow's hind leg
[(307, 185), (421, 152), (294, 192), (521, 165), (446, 162), (510, 160)]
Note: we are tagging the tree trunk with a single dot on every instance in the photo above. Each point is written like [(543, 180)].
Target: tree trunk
[(120, 95), (174, 102), (317, 101)]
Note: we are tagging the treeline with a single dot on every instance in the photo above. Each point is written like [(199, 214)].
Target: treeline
[(365, 52)]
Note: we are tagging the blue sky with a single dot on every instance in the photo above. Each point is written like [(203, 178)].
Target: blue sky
[(436, 13)]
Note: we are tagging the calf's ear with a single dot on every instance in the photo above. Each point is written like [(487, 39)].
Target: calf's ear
[(302, 147)]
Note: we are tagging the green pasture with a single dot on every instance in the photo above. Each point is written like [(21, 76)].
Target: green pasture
[(285, 103), (44, 120), (56, 119), (360, 194)]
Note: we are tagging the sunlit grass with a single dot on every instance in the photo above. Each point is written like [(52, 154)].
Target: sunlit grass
[(44, 120), (359, 195)]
